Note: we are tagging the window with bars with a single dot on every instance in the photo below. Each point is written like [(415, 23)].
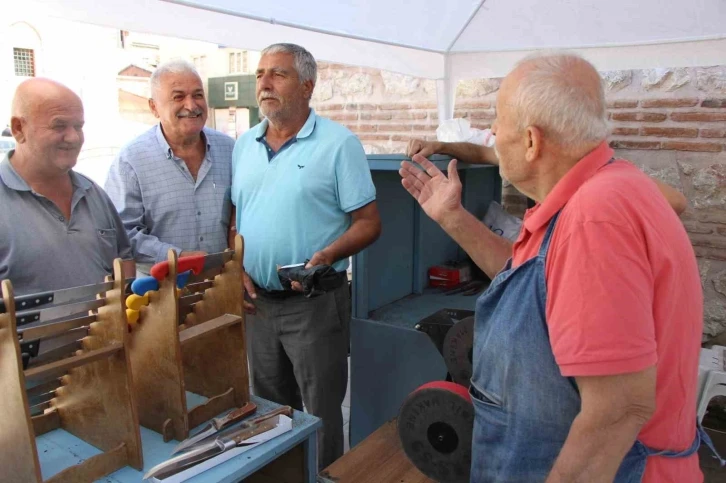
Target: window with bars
[(24, 60)]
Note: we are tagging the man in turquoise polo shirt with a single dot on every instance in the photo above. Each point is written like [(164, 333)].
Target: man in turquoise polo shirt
[(302, 191)]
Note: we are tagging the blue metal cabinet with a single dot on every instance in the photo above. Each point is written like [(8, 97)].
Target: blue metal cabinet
[(389, 357), (396, 264)]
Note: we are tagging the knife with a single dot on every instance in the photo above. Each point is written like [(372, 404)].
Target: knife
[(42, 398), (25, 302), (210, 450), (39, 409), (52, 313), (143, 285), (44, 387), (61, 352), (31, 348), (196, 264), (189, 300), (216, 425)]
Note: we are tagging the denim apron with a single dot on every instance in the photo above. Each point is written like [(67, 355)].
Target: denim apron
[(523, 406)]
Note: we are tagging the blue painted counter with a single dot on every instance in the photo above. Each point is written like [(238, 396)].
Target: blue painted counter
[(59, 449)]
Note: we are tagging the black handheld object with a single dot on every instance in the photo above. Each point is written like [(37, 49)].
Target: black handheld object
[(315, 280)]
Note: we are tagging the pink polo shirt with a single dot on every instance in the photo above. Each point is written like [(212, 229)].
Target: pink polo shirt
[(623, 294)]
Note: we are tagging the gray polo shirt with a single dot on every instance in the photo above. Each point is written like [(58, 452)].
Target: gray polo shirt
[(40, 250)]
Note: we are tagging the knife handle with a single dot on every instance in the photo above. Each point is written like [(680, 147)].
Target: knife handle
[(135, 302), (27, 318), (286, 410), (252, 431), (194, 263), (144, 284), (181, 279), (234, 416), (25, 302)]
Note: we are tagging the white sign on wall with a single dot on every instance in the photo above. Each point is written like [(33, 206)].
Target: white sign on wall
[(231, 91)]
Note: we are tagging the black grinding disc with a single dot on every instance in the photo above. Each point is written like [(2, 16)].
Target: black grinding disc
[(435, 426), (457, 350)]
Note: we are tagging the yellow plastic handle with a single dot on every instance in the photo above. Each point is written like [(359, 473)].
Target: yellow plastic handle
[(135, 302)]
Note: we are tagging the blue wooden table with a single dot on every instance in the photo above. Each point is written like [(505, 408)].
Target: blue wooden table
[(58, 449)]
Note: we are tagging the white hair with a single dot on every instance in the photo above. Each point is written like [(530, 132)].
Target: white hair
[(304, 62), (174, 66), (557, 95)]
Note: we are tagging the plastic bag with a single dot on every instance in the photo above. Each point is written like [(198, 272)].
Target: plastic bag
[(460, 130), (501, 222)]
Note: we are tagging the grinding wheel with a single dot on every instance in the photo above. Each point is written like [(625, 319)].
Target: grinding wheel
[(435, 427), (457, 350)]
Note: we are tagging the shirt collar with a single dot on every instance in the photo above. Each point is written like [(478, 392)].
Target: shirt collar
[(165, 145), (565, 188), (305, 131), (9, 176), (14, 181)]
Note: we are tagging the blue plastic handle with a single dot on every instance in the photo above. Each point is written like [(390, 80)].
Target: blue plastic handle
[(181, 279), (142, 285)]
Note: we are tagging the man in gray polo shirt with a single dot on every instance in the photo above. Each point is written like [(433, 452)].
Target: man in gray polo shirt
[(171, 184), (59, 229)]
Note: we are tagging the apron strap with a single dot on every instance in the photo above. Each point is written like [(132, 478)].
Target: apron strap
[(548, 236), (701, 437)]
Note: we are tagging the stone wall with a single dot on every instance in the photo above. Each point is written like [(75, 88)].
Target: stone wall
[(669, 122)]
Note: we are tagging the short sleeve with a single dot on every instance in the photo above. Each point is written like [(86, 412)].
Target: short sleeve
[(354, 184), (600, 301)]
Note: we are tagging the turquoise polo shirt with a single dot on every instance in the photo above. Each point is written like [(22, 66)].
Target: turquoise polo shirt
[(298, 200)]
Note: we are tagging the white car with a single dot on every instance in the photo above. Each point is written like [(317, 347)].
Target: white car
[(6, 144)]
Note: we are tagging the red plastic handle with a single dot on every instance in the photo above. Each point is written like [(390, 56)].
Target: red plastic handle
[(194, 263)]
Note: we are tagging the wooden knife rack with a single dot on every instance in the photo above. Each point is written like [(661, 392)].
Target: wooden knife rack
[(93, 400), (202, 351)]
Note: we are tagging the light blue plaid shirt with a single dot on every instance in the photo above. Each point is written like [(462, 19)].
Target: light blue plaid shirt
[(161, 205)]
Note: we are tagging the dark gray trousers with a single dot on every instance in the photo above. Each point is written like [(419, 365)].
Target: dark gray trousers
[(298, 349)]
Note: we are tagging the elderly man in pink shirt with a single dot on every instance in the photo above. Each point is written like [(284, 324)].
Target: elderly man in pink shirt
[(586, 344)]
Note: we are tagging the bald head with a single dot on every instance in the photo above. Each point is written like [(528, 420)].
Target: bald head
[(561, 94), (47, 123), (37, 92)]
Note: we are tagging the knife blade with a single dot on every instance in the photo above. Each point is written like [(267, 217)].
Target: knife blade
[(61, 352), (53, 328), (41, 398), (189, 300), (217, 424), (44, 387), (196, 264), (39, 409), (29, 301), (51, 313), (209, 450), (198, 287), (30, 348)]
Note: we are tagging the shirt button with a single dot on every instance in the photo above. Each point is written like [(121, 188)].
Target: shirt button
[(61, 218), (199, 213), (201, 238)]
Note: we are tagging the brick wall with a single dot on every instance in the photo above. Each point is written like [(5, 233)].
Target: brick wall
[(669, 122)]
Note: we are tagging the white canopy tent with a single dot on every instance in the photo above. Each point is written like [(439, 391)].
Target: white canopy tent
[(445, 40)]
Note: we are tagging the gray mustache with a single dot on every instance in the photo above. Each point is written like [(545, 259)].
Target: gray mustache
[(187, 113)]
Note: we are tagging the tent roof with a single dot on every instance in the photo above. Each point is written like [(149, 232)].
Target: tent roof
[(432, 38), (443, 40)]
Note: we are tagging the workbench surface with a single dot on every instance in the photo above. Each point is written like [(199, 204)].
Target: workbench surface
[(58, 449), (377, 459)]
